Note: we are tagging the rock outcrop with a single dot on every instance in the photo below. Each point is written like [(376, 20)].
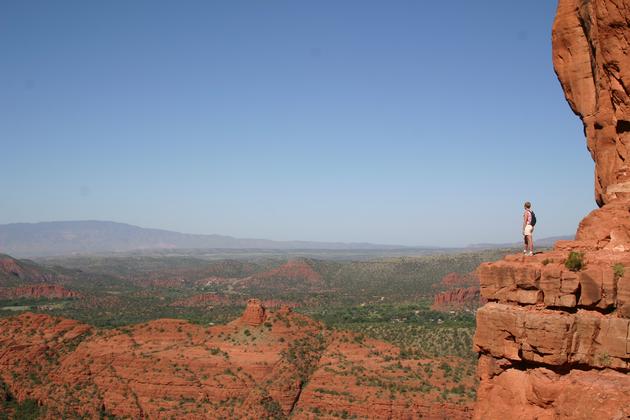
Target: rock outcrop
[(457, 299), (36, 291), (458, 292), (255, 313), (288, 366), (554, 339)]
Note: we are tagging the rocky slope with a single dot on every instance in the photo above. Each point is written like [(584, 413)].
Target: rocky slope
[(296, 275), (17, 272), (36, 291), (262, 365), (554, 339)]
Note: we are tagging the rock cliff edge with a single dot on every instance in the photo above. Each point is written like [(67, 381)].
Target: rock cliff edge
[(554, 338)]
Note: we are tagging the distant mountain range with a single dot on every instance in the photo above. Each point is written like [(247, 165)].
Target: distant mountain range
[(47, 239), (541, 243), (89, 237)]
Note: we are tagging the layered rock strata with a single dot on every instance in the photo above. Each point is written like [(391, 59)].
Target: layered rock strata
[(287, 367), (549, 332), (554, 339), (456, 292), (457, 299), (36, 291)]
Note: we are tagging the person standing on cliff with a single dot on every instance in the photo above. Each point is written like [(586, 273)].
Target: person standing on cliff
[(528, 230)]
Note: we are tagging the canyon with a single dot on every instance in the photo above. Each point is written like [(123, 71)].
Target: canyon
[(553, 341)]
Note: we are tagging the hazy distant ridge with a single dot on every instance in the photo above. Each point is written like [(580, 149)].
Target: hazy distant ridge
[(543, 242), (63, 238)]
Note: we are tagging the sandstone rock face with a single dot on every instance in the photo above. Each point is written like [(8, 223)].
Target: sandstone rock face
[(549, 332), (456, 292), (254, 314), (50, 291), (541, 393), (554, 341), (457, 299), (591, 44)]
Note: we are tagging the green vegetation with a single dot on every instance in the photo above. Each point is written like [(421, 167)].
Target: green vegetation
[(618, 270), (273, 409), (133, 289), (416, 329), (304, 354), (128, 309), (575, 261), (10, 408)]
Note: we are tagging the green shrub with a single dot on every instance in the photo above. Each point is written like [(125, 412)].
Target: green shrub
[(618, 269), (27, 410), (575, 262)]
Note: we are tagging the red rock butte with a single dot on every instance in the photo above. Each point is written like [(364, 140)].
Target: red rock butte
[(554, 338), (255, 313)]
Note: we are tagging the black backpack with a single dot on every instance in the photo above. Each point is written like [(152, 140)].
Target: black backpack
[(533, 222)]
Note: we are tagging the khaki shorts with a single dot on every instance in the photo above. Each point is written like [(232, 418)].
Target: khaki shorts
[(528, 230)]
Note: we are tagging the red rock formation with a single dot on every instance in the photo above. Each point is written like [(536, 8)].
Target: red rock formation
[(23, 271), (288, 366), (255, 313), (590, 54), (549, 331), (36, 291), (457, 299), (459, 292), (554, 341)]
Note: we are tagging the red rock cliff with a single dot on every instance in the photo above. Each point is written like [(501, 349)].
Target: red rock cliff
[(590, 55), (35, 291), (554, 339)]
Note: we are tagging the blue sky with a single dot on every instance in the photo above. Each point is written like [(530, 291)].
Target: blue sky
[(404, 122)]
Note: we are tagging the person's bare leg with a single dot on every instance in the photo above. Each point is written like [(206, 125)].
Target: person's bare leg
[(531, 243), (525, 245)]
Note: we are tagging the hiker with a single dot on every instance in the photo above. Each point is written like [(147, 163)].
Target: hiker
[(529, 220)]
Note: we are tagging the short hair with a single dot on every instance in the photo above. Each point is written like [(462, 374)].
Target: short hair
[(528, 204)]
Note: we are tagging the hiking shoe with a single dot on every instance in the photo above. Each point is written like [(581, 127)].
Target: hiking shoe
[(530, 254)]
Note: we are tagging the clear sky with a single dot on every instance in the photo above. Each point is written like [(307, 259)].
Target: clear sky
[(402, 122)]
